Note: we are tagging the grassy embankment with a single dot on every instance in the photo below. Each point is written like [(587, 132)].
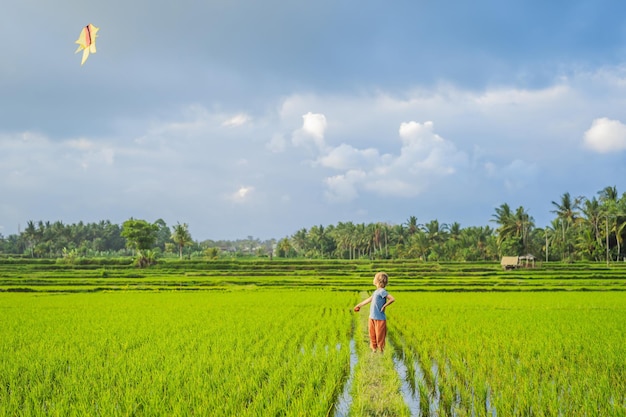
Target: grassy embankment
[(119, 274)]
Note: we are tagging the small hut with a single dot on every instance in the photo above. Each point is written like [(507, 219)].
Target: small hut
[(514, 262), (528, 260), (510, 262)]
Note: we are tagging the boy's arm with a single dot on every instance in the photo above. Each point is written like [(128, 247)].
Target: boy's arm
[(390, 300), (362, 303)]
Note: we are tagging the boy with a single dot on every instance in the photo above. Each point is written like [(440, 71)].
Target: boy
[(377, 320)]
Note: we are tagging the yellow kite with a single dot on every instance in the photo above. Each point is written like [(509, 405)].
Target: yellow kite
[(87, 41)]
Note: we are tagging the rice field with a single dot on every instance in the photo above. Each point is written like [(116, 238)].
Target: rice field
[(219, 354), (259, 340), (514, 354)]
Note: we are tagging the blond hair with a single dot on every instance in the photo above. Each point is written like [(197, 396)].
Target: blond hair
[(381, 279)]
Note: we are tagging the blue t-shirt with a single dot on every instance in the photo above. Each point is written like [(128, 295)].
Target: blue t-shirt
[(379, 298)]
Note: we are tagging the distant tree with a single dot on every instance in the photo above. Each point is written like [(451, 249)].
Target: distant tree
[(593, 229), (285, 249), (412, 226), (163, 234), (141, 236), (479, 243), (567, 212), (524, 225), (31, 236), (614, 211), (320, 240), (514, 231), (212, 253), (181, 237), (301, 242), (342, 235)]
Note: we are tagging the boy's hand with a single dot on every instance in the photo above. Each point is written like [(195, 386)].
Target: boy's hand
[(357, 308)]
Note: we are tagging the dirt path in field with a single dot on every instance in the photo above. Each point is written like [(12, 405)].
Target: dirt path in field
[(374, 385)]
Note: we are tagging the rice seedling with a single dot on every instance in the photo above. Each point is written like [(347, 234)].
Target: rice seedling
[(519, 354), (138, 353)]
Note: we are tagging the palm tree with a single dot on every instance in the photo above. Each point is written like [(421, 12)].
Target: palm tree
[(514, 228), (524, 225), (30, 233), (614, 210), (452, 247), (319, 238), (552, 235), (504, 218), (284, 248), (418, 245), (437, 236), (398, 237), (592, 215), (385, 229), (587, 246), (567, 212), (301, 242), (475, 241), (341, 235), (620, 222), (181, 237), (412, 225), (455, 231)]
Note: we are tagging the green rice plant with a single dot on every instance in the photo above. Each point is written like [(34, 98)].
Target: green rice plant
[(520, 354), (173, 353)]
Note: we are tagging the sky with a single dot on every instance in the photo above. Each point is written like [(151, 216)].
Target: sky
[(246, 118)]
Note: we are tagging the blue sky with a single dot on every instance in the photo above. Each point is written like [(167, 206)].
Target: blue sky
[(247, 118)]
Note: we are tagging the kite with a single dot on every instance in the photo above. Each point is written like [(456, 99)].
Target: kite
[(87, 41)]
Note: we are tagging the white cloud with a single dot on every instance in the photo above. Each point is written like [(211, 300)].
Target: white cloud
[(242, 194), (393, 187), (277, 143), (81, 144), (90, 152), (423, 151), (312, 131), (423, 157), (345, 157), (516, 96), (605, 136), (343, 188), (237, 120)]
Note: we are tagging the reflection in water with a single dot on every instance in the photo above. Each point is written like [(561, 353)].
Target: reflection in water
[(410, 392), (342, 407)]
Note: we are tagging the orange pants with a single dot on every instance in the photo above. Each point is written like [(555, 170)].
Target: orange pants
[(378, 332)]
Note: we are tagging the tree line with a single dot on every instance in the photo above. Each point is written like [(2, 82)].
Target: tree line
[(583, 228), (105, 239)]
